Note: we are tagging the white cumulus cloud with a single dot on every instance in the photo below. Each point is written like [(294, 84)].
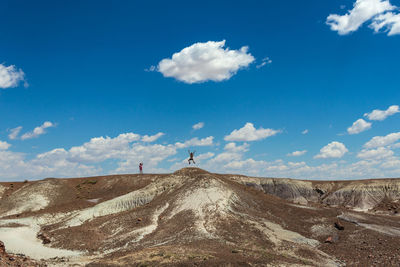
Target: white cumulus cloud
[(363, 11), (204, 156), (208, 141), (10, 76), (203, 62), (379, 153), (226, 157), (152, 138), (198, 126), (232, 147), (4, 145), (379, 141), (297, 153), (37, 131), (359, 126), (396, 145), (332, 150), (126, 150), (305, 131), (249, 133), (391, 163), (380, 115), (101, 148), (14, 166), (250, 165), (232, 152)]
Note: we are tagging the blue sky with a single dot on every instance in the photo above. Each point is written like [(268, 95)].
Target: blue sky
[(84, 84)]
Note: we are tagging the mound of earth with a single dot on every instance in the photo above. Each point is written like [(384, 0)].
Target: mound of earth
[(16, 260), (193, 217)]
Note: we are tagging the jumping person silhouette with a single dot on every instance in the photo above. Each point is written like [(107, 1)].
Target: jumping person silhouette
[(191, 155)]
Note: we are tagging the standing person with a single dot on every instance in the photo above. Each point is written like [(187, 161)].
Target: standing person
[(191, 155), (141, 167)]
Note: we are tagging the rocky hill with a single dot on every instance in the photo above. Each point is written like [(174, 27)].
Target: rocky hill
[(362, 195), (193, 217)]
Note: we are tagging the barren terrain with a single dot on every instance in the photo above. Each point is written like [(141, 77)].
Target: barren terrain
[(196, 218)]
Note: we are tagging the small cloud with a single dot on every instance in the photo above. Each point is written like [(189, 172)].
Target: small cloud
[(152, 138), (198, 126), (4, 145), (359, 126), (305, 131), (232, 147), (10, 76), (14, 133), (380, 115), (203, 62), (297, 153), (264, 62), (37, 131), (332, 150), (151, 68), (249, 133)]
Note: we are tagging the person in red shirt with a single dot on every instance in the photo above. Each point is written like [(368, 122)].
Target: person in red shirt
[(141, 167)]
